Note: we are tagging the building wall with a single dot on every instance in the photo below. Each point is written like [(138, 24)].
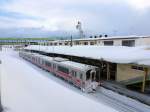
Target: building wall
[(125, 72), (146, 41), (100, 42), (117, 42)]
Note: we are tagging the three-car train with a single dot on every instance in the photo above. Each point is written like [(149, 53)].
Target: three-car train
[(81, 75)]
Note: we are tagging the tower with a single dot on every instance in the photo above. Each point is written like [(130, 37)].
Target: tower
[(79, 27)]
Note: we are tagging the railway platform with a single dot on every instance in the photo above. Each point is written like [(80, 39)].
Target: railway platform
[(121, 89)]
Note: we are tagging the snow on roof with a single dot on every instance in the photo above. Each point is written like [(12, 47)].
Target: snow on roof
[(114, 54), (105, 38)]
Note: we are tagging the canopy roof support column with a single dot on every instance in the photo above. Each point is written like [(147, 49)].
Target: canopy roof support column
[(144, 80)]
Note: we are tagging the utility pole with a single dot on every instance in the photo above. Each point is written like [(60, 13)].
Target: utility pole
[(144, 79), (71, 41)]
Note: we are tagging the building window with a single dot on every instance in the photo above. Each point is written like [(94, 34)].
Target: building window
[(63, 69), (92, 43), (85, 43), (66, 43), (77, 43), (108, 43), (129, 43), (137, 68), (60, 43)]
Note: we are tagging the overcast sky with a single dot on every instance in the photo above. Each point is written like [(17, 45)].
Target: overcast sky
[(114, 17)]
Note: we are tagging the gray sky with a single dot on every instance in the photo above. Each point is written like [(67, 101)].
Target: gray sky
[(114, 17)]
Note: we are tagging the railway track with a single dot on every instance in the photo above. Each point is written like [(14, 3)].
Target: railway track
[(117, 104)]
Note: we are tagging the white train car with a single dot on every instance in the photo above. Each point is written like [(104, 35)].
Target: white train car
[(81, 75)]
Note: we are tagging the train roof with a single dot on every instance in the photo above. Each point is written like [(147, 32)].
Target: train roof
[(38, 55), (47, 58), (65, 61), (58, 59), (77, 65)]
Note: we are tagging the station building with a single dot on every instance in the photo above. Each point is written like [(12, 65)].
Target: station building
[(130, 41)]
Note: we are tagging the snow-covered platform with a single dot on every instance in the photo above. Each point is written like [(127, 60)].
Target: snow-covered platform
[(119, 88)]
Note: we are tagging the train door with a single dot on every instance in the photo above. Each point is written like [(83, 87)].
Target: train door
[(54, 67), (74, 75), (94, 83), (93, 75)]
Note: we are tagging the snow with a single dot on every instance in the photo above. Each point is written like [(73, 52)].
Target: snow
[(115, 54), (106, 38), (79, 66), (26, 89)]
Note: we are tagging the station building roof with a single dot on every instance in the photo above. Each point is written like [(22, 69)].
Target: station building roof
[(115, 54)]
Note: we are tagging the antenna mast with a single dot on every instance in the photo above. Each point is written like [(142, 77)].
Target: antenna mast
[(79, 27)]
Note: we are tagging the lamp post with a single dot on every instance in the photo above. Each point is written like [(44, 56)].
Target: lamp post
[(71, 41)]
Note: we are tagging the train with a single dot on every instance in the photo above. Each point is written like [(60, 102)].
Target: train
[(81, 75)]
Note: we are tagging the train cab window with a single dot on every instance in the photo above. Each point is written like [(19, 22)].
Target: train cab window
[(63, 69), (88, 74)]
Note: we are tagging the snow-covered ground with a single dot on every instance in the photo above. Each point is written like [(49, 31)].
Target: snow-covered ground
[(26, 89)]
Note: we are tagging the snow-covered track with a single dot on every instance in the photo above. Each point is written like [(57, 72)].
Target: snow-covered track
[(119, 103)]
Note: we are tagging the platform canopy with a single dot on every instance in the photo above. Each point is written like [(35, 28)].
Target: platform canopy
[(115, 54)]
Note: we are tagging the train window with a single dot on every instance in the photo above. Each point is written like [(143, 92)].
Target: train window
[(54, 66), (42, 62), (88, 74), (74, 74), (47, 63), (63, 69), (38, 60), (81, 76)]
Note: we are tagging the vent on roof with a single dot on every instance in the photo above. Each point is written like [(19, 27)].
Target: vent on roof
[(58, 59), (100, 36), (105, 35)]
